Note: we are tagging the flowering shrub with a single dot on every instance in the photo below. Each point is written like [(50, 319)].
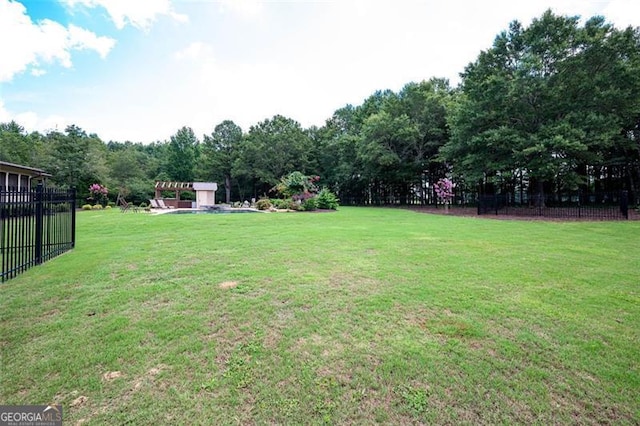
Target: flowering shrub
[(303, 196), (98, 192), (297, 184), (444, 190), (302, 193)]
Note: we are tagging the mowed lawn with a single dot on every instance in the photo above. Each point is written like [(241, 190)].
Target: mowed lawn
[(358, 316)]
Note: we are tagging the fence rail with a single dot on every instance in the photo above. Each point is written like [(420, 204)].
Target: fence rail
[(35, 225), (599, 206)]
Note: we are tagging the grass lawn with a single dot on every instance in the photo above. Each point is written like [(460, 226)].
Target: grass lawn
[(358, 316)]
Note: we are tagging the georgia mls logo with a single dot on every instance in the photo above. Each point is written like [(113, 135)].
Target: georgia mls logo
[(31, 415), (54, 408)]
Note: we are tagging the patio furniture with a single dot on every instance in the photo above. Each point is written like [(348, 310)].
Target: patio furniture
[(162, 205), (124, 205)]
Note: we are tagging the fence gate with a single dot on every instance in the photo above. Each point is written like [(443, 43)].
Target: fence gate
[(36, 225)]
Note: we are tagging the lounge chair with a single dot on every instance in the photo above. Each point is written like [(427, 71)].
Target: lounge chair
[(154, 204), (162, 205), (125, 206)]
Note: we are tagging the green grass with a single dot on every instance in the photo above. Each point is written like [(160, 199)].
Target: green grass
[(357, 316)]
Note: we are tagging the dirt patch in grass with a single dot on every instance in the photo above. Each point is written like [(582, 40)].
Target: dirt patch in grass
[(78, 401), (228, 284), (148, 377), (111, 375), (281, 321)]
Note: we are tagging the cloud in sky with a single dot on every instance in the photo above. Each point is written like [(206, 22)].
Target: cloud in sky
[(27, 44), (138, 13), (247, 9), (197, 63)]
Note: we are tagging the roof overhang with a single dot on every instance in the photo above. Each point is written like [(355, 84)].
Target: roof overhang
[(24, 170)]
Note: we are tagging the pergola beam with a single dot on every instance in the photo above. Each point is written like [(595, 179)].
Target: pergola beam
[(172, 186)]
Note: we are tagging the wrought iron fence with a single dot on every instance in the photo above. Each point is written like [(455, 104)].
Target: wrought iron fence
[(599, 206), (36, 225)]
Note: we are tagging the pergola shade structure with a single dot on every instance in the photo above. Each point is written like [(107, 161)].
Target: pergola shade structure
[(205, 193)]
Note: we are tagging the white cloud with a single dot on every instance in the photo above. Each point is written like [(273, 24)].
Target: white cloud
[(79, 38), (623, 13), (32, 122), (138, 13), (248, 9), (196, 50), (34, 43)]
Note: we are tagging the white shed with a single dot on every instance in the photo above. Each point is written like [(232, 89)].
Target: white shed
[(205, 193)]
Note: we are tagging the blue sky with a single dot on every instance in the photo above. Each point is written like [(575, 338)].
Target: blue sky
[(139, 70)]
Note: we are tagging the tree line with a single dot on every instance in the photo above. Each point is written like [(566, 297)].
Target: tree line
[(549, 108)]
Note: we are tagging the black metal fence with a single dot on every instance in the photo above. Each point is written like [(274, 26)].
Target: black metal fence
[(35, 225), (597, 206)]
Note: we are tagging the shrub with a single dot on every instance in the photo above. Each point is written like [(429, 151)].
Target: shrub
[(111, 204), (286, 204), (108, 208), (263, 204), (444, 190), (97, 207), (296, 183), (87, 207), (98, 192), (143, 205), (310, 204), (60, 208), (327, 200)]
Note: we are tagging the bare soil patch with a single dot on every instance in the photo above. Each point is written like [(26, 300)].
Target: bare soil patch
[(228, 284), (111, 375)]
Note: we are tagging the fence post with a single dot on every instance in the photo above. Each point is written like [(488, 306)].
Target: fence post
[(72, 196), (39, 223), (579, 204), (624, 204)]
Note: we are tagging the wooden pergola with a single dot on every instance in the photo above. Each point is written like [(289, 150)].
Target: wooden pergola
[(178, 187)]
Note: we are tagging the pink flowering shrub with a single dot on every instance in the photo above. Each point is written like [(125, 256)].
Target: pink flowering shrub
[(444, 190), (98, 192)]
